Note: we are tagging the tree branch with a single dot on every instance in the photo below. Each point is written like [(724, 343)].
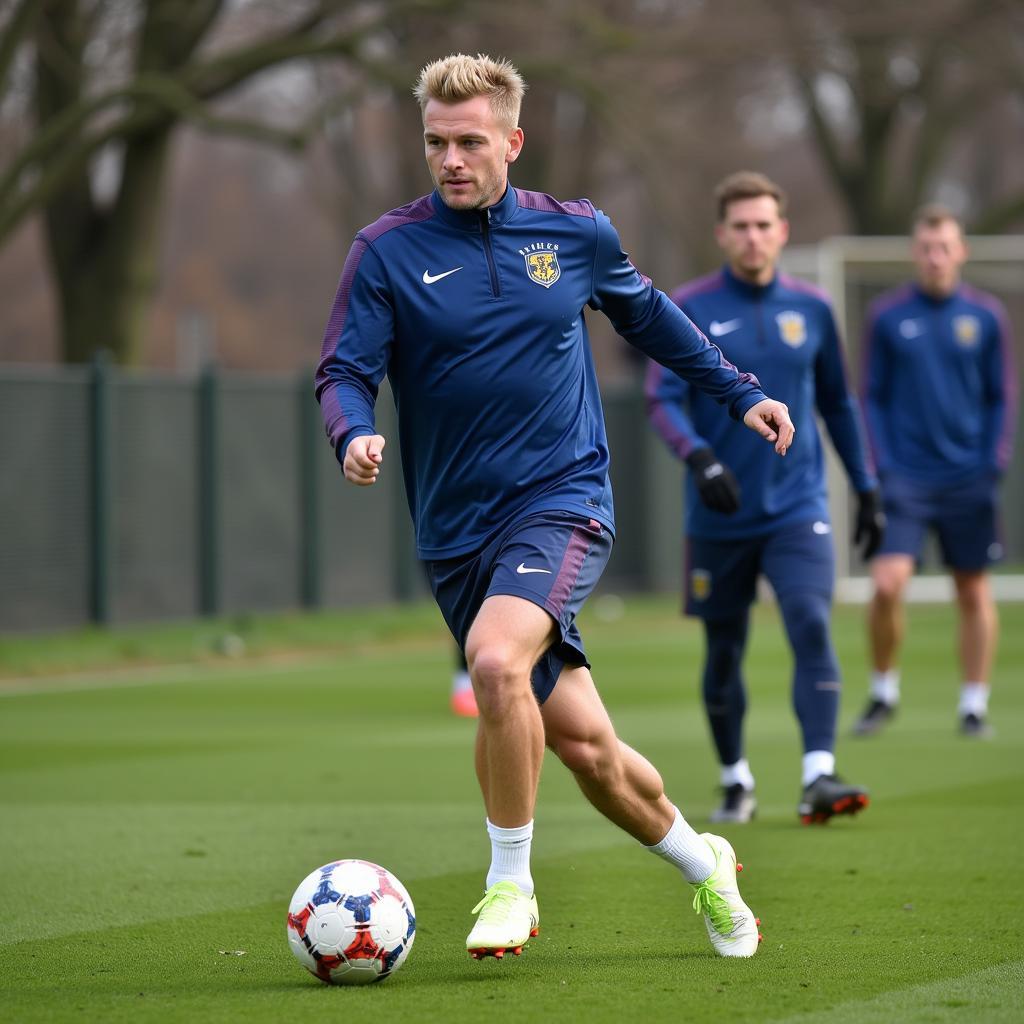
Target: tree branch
[(225, 70), (159, 101), (15, 31), (171, 32), (999, 216)]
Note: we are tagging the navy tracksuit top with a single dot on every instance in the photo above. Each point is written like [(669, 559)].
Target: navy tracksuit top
[(785, 333), (940, 389), (477, 319)]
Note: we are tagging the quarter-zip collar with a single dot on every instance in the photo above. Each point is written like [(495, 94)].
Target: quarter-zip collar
[(745, 288), (469, 220), (937, 301)]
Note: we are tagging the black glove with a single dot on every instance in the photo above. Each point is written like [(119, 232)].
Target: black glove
[(870, 523), (716, 485)]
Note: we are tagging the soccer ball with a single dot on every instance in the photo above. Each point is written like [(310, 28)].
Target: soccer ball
[(351, 922)]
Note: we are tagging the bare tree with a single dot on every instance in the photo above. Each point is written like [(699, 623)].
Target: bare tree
[(891, 92), (107, 84)]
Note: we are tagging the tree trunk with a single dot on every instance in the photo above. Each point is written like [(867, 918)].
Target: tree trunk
[(105, 292)]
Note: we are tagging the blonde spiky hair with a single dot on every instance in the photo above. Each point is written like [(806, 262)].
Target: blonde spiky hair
[(461, 77)]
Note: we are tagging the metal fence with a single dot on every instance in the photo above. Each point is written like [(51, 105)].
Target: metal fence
[(129, 496)]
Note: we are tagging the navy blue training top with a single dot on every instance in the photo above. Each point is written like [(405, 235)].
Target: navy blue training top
[(477, 319), (785, 333), (940, 389)]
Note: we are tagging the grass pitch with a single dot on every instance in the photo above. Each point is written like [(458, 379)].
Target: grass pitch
[(159, 809)]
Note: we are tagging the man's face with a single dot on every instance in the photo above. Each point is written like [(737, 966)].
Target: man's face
[(938, 251), (468, 152), (752, 234)]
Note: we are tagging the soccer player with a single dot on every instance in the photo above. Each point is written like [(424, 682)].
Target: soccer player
[(472, 300), (747, 515), (462, 700), (940, 396)]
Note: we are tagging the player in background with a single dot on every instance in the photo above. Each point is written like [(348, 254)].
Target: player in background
[(472, 300), (940, 400), (747, 514), (462, 700)]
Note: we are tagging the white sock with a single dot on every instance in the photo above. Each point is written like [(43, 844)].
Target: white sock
[(817, 762), (739, 772), (461, 681), (687, 850), (510, 855), (885, 686), (974, 699)]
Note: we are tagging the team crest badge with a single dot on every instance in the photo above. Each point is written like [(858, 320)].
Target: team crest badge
[(700, 584), (792, 327), (966, 330), (542, 267)]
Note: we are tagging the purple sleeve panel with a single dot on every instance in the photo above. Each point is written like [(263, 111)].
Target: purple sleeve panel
[(839, 410), (1002, 384), (698, 286), (355, 349), (544, 203), (797, 284), (665, 395), (419, 210)]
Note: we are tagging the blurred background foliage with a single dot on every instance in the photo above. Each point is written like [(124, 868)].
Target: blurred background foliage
[(180, 179)]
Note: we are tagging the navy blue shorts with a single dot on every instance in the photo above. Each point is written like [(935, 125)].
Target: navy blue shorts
[(965, 517), (553, 559), (720, 576)]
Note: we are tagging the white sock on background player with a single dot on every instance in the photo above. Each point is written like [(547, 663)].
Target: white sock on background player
[(815, 763), (739, 772), (974, 699), (885, 686)]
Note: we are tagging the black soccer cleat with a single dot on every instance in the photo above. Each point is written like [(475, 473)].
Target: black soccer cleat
[(875, 715), (828, 796), (975, 726), (738, 805)]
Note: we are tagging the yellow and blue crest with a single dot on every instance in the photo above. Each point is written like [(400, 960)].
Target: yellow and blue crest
[(542, 267), (700, 584), (792, 327), (966, 330)]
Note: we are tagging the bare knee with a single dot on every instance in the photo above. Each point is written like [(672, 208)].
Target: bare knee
[(973, 593), (890, 576), (500, 676)]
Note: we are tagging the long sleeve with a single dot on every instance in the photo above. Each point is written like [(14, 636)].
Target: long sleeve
[(875, 393), (665, 395), (356, 348), (649, 320), (1001, 392), (839, 410)]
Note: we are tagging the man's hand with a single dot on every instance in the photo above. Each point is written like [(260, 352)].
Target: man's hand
[(363, 458), (716, 484), (870, 523), (771, 420)]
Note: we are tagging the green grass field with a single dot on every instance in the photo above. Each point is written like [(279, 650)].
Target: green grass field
[(159, 807)]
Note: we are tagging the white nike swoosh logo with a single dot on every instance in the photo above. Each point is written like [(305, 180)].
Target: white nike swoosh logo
[(429, 278), (719, 327), (523, 570)]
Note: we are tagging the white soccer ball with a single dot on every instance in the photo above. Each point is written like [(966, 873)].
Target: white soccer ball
[(351, 922)]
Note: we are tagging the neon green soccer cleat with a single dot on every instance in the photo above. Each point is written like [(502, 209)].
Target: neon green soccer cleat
[(731, 924), (507, 919)]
